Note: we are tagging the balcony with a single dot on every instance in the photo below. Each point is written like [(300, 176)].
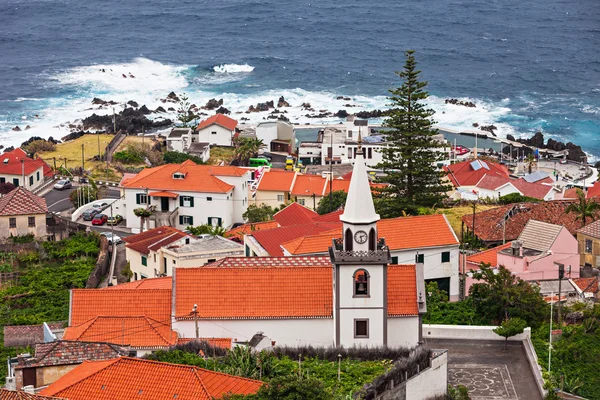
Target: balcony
[(381, 255)]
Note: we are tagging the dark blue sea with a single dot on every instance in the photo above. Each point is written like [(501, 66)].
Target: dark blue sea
[(528, 65)]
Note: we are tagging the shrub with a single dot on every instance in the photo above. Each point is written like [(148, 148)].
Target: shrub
[(23, 239), (177, 157), (39, 145), (516, 198), (127, 157)]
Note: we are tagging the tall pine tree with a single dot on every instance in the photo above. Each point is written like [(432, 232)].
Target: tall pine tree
[(410, 161)]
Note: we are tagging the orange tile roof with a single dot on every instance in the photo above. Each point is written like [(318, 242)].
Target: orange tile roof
[(307, 185), (593, 191), (537, 190), (218, 119), (90, 303), (6, 394), (153, 239), (242, 230), (294, 214), (198, 178), (21, 201), (333, 216), (223, 343), (278, 181), (338, 184), (272, 262), (150, 283), (571, 193), (254, 293), (136, 332), (402, 290), (399, 233), (272, 239), (132, 378), (163, 194), (489, 256), (587, 285), (280, 292)]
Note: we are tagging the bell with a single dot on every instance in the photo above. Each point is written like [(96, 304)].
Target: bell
[(361, 287)]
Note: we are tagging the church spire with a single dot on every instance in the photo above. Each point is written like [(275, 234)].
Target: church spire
[(359, 207)]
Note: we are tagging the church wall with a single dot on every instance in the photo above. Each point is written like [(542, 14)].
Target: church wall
[(288, 332), (376, 327), (376, 286), (403, 331)]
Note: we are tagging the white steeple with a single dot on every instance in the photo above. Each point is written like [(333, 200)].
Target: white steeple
[(359, 207)]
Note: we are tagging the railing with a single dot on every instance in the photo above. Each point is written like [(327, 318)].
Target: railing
[(341, 256)]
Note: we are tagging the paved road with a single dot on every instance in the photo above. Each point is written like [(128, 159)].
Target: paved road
[(58, 200)]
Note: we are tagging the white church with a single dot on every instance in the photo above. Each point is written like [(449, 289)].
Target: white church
[(353, 297)]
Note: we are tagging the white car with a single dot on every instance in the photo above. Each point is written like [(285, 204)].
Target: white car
[(111, 237), (63, 184)]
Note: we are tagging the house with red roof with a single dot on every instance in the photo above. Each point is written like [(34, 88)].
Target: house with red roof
[(274, 188), (22, 213), (217, 130), (187, 194), (20, 170), (131, 378), (154, 253)]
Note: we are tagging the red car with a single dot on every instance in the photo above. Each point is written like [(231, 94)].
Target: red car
[(99, 219)]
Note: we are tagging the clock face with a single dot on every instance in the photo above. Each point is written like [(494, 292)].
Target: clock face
[(360, 237)]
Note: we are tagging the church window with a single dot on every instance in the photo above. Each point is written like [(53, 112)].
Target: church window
[(348, 240), (361, 283), (372, 240), (361, 328)]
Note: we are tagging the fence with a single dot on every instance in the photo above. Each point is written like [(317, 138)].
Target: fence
[(112, 145)]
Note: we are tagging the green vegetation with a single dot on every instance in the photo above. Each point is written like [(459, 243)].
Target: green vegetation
[(584, 208), (458, 392), (442, 311), (207, 230), (39, 146), (143, 214), (510, 328), (410, 160), (177, 157), (185, 113), (41, 292), (245, 148), (338, 199), (516, 198), (260, 213), (290, 388)]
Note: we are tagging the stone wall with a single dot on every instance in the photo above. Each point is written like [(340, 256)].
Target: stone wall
[(102, 265)]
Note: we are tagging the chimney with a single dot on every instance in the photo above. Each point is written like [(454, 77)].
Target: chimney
[(517, 248)]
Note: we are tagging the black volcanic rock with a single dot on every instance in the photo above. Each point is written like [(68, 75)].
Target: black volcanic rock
[(282, 103), (341, 114), (133, 104), (129, 120), (223, 110)]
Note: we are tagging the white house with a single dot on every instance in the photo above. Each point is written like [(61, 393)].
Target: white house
[(181, 195), (278, 136), (217, 130), (179, 139), (20, 170)]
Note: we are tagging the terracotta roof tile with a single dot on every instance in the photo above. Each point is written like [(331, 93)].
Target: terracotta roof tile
[(307, 185), (537, 190), (463, 173), (333, 216), (136, 332), (153, 239), (218, 119), (272, 262), (338, 184), (587, 285), (593, 191), (14, 167), (570, 193), (256, 292), (150, 283), (399, 233), (198, 178), (6, 394), (245, 229), (26, 335), (22, 202), (223, 343), (129, 378), (272, 239), (65, 352), (489, 256), (278, 181), (294, 214), (492, 182), (489, 223), (90, 303)]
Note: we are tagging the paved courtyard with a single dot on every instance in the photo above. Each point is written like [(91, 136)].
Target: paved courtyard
[(487, 371)]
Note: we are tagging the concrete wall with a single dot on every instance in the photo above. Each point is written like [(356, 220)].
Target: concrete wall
[(289, 332), (22, 228), (403, 331), (51, 374), (270, 198), (37, 176), (474, 332), (240, 194), (222, 137)]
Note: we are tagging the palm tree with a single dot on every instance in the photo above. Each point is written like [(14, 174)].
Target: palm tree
[(584, 208), (246, 148), (142, 214), (530, 161)]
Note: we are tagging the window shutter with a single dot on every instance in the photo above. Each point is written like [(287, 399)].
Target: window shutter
[(394, 260), (191, 220), (209, 221), (220, 220), (191, 202), (180, 201), (137, 198), (181, 220)]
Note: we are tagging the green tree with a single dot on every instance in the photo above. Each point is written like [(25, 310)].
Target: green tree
[(245, 148), (185, 114), (177, 157), (206, 229), (584, 208), (338, 199), (516, 198), (509, 328), (259, 213), (290, 388), (410, 160), (500, 295)]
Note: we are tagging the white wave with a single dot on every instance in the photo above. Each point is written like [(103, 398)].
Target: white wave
[(140, 75), (232, 68), (591, 110)]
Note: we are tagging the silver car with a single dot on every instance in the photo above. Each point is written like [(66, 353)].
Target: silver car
[(111, 238), (63, 184)]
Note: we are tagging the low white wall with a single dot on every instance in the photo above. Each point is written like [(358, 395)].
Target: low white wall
[(468, 332), (115, 202), (430, 383), (535, 367)]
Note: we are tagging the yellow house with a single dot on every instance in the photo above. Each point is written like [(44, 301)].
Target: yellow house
[(275, 188), (588, 239), (22, 213)]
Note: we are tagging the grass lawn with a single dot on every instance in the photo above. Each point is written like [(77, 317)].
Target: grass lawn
[(71, 150), (133, 139), (455, 214), (218, 154)]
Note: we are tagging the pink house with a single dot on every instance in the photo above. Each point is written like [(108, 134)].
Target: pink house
[(535, 255)]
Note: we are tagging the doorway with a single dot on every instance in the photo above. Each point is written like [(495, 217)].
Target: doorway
[(164, 204)]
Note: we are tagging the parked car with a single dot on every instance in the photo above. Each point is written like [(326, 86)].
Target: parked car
[(89, 214), (115, 220), (112, 238), (63, 184), (99, 219), (100, 206)]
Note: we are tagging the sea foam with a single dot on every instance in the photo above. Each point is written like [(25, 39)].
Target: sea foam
[(233, 68)]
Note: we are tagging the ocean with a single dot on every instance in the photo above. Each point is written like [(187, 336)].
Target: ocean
[(529, 66)]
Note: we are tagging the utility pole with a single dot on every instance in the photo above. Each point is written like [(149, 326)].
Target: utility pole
[(314, 196), (331, 177), (23, 172), (54, 158), (82, 160), (98, 146), (561, 275), (550, 341), (195, 312), (114, 121)]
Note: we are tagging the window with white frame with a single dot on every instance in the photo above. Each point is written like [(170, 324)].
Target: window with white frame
[(301, 201), (280, 198)]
